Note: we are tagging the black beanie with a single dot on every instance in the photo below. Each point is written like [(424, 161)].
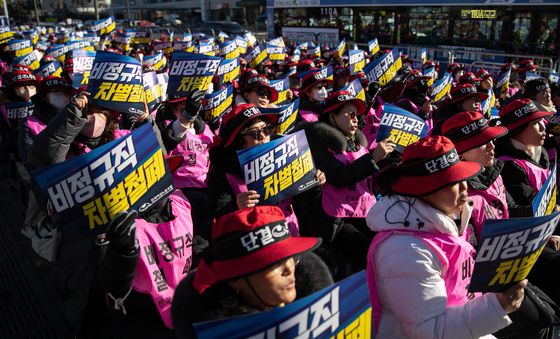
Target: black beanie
[(532, 87)]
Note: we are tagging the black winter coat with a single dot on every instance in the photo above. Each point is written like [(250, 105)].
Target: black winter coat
[(220, 301)]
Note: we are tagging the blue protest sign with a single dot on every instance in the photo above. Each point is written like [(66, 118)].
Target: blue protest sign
[(276, 53), (373, 47), (384, 69), (228, 70), (545, 201), (441, 87), (190, 72), (356, 89), (115, 82), (286, 116), (15, 111), (87, 191), (281, 86), (502, 81), (218, 103), (401, 126), (340, 311), (508, 250), (278, 169), (255, 56), (83, 62), (356, 61), (52, 68), (157, 61), (229, 50)]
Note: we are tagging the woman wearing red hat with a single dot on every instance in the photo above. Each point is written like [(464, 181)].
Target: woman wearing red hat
[(256, 90), (526, 162), (340, 150), (415, 97), (416, 261), (243, 274), (312, 93), (464, 98), (244, 127)]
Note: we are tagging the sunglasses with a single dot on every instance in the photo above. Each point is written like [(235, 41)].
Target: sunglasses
[(258, 133), (320, 86), (263, 92)]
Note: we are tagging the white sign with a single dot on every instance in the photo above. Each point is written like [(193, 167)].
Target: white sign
[(304, 34)]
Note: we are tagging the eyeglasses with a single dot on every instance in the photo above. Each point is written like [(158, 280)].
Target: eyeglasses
[(350, 114), (263, 92), (258, 132), (280, 267), (320, 86)]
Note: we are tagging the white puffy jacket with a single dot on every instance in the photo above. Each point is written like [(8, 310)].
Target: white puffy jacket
[(409, 278)]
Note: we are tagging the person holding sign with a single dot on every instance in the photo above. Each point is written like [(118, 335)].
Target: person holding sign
[(339, 149), (256, 90), (474, 141), (419, 264), (415, 97), (464, 98), (253, 265), (244, 127), (313, 92)]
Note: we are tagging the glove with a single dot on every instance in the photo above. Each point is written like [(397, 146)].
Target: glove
[(194, 106), (121, 232), (373, 89)]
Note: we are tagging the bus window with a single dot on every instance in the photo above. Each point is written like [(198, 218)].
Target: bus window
[(473, 27), (375, 24), (521, 27), (548, 30), (428, 24)]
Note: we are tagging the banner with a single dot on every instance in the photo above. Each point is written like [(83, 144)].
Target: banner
[(157, 61), (545, 201), (229, 50), (20, 47), (532, 76), (339, 311), (86, 45), (139, 36), (15, 111), (255, 56), (402, 127), (384, 69), (104, 26), (502, 82), (52, 68), (356, 61), (286, 117), (282, 86), (154, 94), (373, 47), (228, 70), (115, 82), (218, 103), (509, 249), (31, 60), (6, 36), (279, 169), (57, 51), (276, 53), (356, 89), (441, 88), (161, 45), (191, 72), (126, 174), (83, 62)]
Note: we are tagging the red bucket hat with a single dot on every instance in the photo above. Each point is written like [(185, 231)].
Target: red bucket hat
[(52, 82), (363, 79), (259, 80), (520, 112), (239, 116), (483, 74), (527, 65), (414, 77), (468, 130), (246, 242), (313, 79), (465, 91), (431, 164), (453, 67), (22, 77), (338, 99), (468, 78)]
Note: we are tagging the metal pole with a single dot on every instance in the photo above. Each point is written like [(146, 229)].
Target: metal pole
[(6, 10), (36, 11), (95, 5), (128, 11)]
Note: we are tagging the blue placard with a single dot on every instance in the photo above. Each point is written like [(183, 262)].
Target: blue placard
[(339, 311), (401, 126), (373, 47), (52, 68), (83, 62), (384, 69), (508, 250), (502, 81), (356, 60), (278, 169), (218, 103), (441, 87), (286, 116), (356, 89), (255, 56), (15, 111), (282, 86), (190, 72), (115, 82), (545, 201), (87, 191)]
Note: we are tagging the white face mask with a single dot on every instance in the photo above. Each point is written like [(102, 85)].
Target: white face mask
[(319, 95), (210, 89), (58, 100), (26, 92)]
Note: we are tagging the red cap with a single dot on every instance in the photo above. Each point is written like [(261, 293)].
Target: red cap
[(312, 79), (483, 74), (520, 112), (465, 91), (246, 242), (239, 116), (21, 77), (468, 130), (414, 77), (258, 80), (468, 78), (431, 164), (338, 99)]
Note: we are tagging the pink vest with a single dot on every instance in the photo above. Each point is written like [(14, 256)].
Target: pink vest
[(488, 204), (194, 169), (349, 202), (165, 255), (373, 118), (35, 125), (456, 255), (309, 116), (535, 174), (238, 186)]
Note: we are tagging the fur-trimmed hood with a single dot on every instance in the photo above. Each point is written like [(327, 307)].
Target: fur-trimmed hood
[(321, 134), (220, 301)]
